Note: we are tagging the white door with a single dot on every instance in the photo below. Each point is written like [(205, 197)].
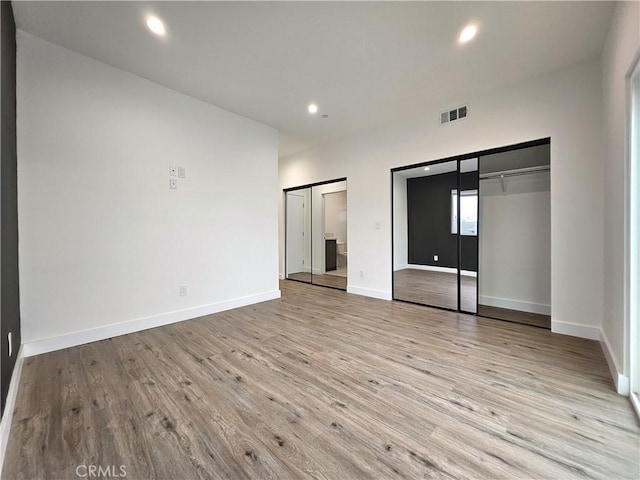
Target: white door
[(295, 233)]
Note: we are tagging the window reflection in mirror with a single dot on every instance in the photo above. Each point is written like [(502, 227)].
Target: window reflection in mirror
[(468, 212)]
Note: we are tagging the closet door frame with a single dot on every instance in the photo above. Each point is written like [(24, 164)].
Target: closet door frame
[(458, 159), (293, 189)]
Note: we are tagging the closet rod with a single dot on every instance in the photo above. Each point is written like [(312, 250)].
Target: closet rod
[(512, 173)]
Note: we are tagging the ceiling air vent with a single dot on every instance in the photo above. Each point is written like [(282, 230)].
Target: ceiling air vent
[(454, 115)]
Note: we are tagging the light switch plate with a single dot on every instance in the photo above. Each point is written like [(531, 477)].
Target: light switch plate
[(182, 172), (172, 171), (173, 183)]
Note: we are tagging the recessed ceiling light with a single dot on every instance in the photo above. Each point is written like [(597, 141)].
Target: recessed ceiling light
[(467, 33), (313, 108), (156, 25), (426, 169)]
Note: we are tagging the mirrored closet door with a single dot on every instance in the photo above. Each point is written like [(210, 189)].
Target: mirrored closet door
[(473, 233), (316, 234), (425, 235)]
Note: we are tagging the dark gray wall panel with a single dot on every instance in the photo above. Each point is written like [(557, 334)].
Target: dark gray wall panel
[(429, 222), (9, 294)]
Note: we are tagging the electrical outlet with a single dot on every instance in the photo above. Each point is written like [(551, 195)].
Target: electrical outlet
[(435, 258), (183, 291), (182, 172), (10, 344), (361, 273), (172, 171), (173, 183)]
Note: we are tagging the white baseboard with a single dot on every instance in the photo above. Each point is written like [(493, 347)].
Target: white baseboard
[(369, 292), (281, 276), (400, 267), (575, 330), (515, 304), (621, 381), (432, 268), (9, 406), (108, 331), (304, 270)]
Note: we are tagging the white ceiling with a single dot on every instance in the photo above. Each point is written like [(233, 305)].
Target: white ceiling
[(364, 63)]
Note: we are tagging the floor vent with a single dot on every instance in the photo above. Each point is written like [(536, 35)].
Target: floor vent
[(454, 115)]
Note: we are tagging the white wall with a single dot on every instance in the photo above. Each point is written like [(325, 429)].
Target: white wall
[(564, 105), (515, 244), (621, 48), (400, 225), (103, 239)]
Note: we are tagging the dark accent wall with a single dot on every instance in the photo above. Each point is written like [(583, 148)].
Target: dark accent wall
[(9, 292), (429, 222)]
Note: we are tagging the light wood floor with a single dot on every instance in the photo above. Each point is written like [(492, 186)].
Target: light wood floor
[(324, 384), (438, 289), (528, 318)]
